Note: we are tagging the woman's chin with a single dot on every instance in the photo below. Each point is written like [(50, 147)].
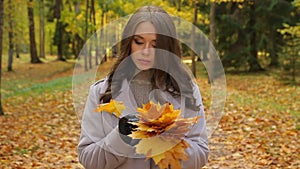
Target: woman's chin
[(143, 67)]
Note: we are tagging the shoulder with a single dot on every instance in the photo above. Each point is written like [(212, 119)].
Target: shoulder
[(196, 93), (99, 82), (99, 86), (195, 87)]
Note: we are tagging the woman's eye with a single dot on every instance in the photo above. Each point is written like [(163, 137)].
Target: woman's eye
[(138, 42)]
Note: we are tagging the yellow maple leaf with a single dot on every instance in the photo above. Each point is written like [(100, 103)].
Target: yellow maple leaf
[(113, 106), (149, 111), (180, 127), (157, 115), (172, 157), (156, 119), (163, 152), (161, 130), (155, 146)]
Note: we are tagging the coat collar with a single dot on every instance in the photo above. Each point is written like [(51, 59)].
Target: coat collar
[(126, 96)]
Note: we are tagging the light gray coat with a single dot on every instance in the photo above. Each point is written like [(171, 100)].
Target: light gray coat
[(101, 147)]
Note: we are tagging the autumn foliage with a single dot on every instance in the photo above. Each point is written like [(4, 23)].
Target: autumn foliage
[(161, 130), (113, 107), (259, 127)]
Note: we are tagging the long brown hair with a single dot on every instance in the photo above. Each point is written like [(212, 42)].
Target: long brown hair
[(124, 67)]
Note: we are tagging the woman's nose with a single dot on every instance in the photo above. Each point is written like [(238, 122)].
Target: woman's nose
[(146, 50)]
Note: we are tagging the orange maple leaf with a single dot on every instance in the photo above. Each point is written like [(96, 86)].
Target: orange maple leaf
[(161, 130), (172, 156), (163, 152), (113, 107), (156, 119)]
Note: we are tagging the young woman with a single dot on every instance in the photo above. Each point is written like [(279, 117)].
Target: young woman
[(148, 68)]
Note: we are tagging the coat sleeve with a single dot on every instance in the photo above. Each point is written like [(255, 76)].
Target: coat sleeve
[(197, 138), (98, 149)]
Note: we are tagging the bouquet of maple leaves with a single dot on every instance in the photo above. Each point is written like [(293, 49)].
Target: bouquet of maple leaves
[(161, 129)]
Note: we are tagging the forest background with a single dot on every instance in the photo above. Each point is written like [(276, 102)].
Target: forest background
[(258, 42)]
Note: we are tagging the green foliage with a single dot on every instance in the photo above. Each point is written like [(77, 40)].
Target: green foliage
[(290, 54), (231, 36), (247, 28), (49, 10), (16, 13), (233, 28), (289, 57)]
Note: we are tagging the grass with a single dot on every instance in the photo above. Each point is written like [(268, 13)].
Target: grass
[(259, 91), (32, 89), (28, 79), (34, 79)]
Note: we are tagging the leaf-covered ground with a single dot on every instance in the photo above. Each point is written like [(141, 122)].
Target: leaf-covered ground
[(259, 128), (260, 125)]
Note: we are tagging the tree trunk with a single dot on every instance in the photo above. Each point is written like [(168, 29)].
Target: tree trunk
[(17, 50), (59, 31), (193, 40), (33, 52), (91, 31), (42, 29), (10, 38), (253, 58), (93, 14), (179, 5), (51, 43), (212, 28), (78, 41), (212, 37), (11, 46), (295, 53), (293, 60), (86, 20), (1, 39), (273, 54), (85, 37), (103, 45)]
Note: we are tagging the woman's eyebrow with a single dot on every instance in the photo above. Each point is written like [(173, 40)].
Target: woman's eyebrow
[(141, 37), (138, 36)]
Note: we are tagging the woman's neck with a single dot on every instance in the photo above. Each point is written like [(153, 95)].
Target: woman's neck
[(143, 76), (141, 86)]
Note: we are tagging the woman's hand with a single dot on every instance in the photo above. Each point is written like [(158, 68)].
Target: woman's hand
[(126, 128)]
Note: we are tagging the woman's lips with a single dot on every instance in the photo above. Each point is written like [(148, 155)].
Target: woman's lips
[(144, 62)]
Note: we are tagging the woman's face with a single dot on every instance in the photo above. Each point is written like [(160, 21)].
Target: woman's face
[(143, 46)]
